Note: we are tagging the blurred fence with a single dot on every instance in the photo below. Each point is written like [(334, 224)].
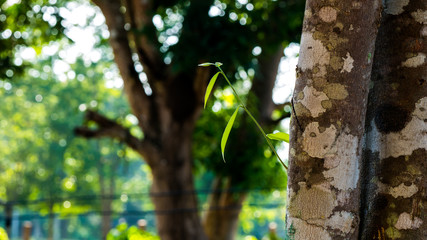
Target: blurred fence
[(18, 215)]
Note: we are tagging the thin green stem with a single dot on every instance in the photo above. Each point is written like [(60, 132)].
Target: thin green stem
[(252, 117)]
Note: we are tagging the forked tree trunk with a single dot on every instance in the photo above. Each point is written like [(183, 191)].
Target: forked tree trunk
[(221, 220), (329, 104), (166, 117), (396, 127)]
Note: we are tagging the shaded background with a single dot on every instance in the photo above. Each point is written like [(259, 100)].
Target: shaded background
[(56, 64)]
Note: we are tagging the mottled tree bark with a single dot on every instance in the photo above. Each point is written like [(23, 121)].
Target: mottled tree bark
[(330, 97), (395, 148)]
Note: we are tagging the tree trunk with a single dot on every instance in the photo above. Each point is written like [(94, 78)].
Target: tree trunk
[(330, 97), (395, 148), (221, 220), (172, 191), (106, 198)]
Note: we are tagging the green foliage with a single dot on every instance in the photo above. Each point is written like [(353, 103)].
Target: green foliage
[(122, 232), (290, 234), (230, 36), (3, 234), (210, 87), (251, 158), (281, 136), (45, 160), (29, 23), (231, 121), (227, 131)]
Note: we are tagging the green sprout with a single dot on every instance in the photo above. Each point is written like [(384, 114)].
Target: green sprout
[(274, 136)]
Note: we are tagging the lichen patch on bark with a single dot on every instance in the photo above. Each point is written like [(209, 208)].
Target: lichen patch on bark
[(343, 165), (406, 221), (306, 231), (328, 14), (341, 221), (318, 144), (313, 100), (421, 109), (420, 16), (395, 7), (312, 203), (348, 63), (336, 91), (415, 61), (308, 13), (312, 52), (400, 191)]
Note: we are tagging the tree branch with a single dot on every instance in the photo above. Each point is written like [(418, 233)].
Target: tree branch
[(109, 128), (148, 53), (139, 102)]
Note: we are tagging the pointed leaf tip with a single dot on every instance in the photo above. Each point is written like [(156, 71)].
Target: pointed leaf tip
[(205, 64), (227, 131), (281, 136), (210, 87)]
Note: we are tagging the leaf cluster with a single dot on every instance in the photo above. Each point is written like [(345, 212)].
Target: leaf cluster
[(29, 23)]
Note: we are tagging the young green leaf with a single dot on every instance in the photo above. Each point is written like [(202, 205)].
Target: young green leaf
[(206, 64), (210, 87), (281, 136), (227, 132)]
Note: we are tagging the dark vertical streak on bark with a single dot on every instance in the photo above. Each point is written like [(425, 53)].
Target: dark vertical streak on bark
[(395, 90)]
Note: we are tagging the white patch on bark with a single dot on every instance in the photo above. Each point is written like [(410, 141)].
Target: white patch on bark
[(413, 136), (328, 14), (312, 52), (318, 144), (420, 16), (343, 165), (423, 31), (400, 191), (343, 197), (414, 62), (405, 221), (313, 100), (421, 109), (305, 231), (341, 221), (395, 7), (348, 63)]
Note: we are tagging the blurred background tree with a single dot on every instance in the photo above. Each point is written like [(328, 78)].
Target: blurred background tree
[(156, 46)]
